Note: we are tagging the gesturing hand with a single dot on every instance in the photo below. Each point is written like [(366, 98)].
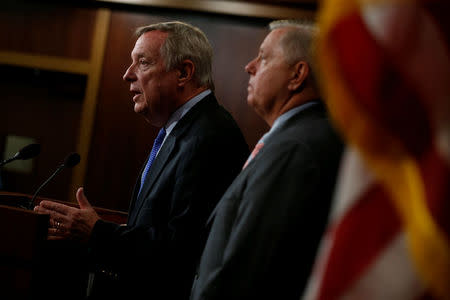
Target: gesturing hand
[(68, 222)]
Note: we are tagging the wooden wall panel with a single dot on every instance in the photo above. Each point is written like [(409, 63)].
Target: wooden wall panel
[(235, 44), (48, 30), (37, 103), (271, 9), (45, 106)]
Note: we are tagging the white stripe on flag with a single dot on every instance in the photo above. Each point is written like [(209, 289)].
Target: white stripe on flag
[(353, 180), (391, 277)]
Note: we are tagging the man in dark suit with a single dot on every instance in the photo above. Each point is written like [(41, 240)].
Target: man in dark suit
[(267, 226), (195, 157)]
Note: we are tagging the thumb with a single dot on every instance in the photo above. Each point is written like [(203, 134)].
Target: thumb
[(82, 200)]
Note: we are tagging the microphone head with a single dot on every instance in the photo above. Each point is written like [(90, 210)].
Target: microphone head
[(71, 160), (28, 151)]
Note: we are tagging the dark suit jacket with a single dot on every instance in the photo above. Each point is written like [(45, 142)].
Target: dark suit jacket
[(155, 255), (269, 222)]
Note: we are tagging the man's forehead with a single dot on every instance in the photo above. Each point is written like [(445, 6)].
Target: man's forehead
[(154, 35), (272, 40), (149, 41)]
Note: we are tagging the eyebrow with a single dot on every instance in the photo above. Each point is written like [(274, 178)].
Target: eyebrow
[(139, 55)]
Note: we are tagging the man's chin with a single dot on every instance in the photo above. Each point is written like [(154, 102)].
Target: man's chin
[(250, 101), (139, 109)]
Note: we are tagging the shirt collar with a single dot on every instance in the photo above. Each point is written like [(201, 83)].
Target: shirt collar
[(183, 109), (281, 120)]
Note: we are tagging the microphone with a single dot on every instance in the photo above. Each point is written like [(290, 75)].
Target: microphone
[(70, 161), (26, 152)]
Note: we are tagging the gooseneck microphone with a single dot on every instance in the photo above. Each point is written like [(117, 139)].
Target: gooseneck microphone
[(26, 152), (69, 162)]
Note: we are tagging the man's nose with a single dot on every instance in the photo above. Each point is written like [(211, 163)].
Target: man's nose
[(129, 74), (250, 67)]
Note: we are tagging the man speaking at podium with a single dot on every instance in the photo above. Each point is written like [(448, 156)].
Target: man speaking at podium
[(198, 152)]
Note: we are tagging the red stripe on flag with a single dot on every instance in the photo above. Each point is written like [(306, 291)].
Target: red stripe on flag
[(359, 237), (381, 91)]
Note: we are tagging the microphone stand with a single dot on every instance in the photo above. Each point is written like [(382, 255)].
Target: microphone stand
[(6, 161), (30, 203)]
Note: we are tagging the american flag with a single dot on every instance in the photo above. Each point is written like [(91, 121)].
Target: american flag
[(385, 73)]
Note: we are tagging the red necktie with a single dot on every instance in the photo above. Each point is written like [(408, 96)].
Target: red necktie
[(253, 154)]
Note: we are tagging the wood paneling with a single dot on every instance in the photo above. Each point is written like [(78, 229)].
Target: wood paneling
[(37, 100), (235, 44), (90, 101), (78, 32), (46, 106), (274, 9), (48, 30)]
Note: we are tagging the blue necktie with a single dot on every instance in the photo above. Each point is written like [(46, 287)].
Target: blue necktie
[(156, 145)]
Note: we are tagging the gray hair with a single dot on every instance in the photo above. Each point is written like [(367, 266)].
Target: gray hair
[(185, 41), (298, 42)]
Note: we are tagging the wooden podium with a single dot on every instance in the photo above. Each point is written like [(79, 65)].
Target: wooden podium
[(32, 267), (22, 235)]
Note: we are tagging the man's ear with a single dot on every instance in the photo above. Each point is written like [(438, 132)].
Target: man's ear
[(300, 73), (185, 72)]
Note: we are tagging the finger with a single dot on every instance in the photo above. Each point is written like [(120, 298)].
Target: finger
[(53, 214), (58, 229), (55, 238), (54, 231), (40, 209), (56, 219), (53, 234), (57, 207), (82, 200)]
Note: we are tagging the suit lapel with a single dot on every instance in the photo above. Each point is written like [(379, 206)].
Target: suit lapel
[(134, 194), (157, 166), (313, 110), (162, 158), (212, 215)]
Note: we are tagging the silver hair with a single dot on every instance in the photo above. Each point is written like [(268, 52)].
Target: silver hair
[(185, 41), (298, 42)]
